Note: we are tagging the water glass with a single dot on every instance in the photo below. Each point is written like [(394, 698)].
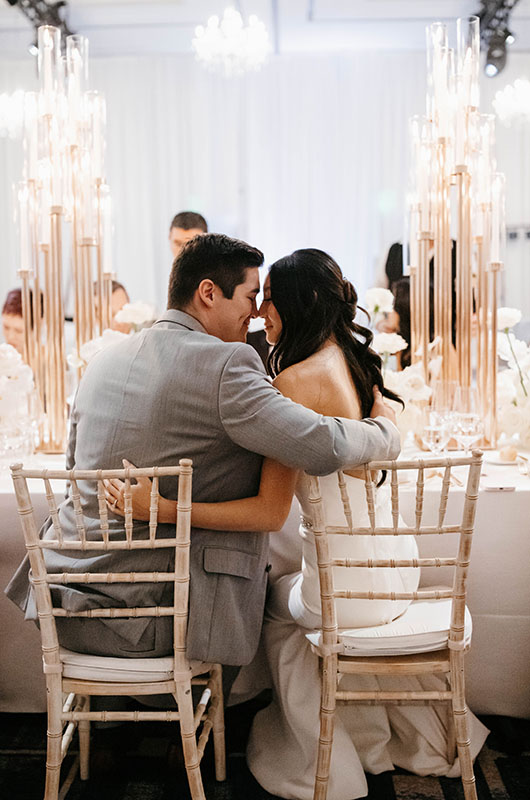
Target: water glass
[(468, 429), (435, 433)]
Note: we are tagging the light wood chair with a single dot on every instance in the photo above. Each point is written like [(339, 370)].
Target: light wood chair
[(72, 678), (429, 651)]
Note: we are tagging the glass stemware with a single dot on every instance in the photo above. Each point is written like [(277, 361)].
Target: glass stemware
[(468, 429), (436, 432)]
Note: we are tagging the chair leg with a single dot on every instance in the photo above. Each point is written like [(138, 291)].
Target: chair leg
[(461, 723), (189, 740), (84, 743), (219, 726), (54, 737), (327, 718)]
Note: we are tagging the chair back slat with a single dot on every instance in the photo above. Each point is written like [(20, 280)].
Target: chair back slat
[(153, 509), (345, 499), (52, 506), (370, 496), (446, 482), (78, 509), (127, 507), (420, 485), (457, 561), (102, 508), (394, 496), (182, 563)]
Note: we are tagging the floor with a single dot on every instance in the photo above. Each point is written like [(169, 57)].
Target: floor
[(143, 762)]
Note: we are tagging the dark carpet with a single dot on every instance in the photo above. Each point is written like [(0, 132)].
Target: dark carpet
[(143, 761)]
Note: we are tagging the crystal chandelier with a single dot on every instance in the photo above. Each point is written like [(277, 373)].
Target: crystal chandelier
[(512, 103), (229, 46)]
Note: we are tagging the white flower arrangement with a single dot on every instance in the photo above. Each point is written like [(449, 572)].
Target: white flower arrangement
[(16, 388), (513, 383), (379, 300), (507, 318), (94, 346), (410, 385), (135, 314), (388, 343)]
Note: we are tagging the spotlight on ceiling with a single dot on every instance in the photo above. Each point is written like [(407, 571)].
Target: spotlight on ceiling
[(495, 33), (496, 55), (44, 12)]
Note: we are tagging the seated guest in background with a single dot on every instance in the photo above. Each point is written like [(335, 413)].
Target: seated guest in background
[(131, 404), (184, 226), (13, 321)]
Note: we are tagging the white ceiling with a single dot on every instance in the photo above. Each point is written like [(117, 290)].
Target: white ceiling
[(126, 27)]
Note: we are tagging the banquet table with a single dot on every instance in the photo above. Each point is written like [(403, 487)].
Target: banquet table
[(498, 665)]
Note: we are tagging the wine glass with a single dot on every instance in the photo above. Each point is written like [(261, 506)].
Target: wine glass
[(435, 433), (468, 429)]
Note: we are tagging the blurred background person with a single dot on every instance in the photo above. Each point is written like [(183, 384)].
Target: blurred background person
[(13, 321), (185, 226)]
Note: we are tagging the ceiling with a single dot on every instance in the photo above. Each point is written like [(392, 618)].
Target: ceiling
[(126, 27)]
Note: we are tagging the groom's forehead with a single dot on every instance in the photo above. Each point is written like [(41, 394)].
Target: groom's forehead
[(251, 280)]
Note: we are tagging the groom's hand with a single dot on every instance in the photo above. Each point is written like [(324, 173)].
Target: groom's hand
[(382, 409)]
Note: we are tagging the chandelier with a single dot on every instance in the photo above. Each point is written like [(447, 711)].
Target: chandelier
[(512, 103), (230, 47)]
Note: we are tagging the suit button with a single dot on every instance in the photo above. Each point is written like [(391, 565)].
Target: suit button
[(268, 568)]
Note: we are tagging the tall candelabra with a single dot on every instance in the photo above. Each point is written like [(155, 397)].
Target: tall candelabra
[(63, 206), (456, 203)]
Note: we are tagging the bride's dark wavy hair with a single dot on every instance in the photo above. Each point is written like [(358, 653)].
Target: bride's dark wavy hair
[(316, 303)]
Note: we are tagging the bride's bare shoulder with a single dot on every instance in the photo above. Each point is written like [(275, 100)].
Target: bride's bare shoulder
[(298, 383)]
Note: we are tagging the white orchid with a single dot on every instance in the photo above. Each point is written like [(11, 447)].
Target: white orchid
[(388, 343), (135, 314), (515, 352), (507, 318), (379, 300)]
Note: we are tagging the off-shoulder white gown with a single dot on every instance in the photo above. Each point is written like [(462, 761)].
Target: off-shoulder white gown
[(282, 747)]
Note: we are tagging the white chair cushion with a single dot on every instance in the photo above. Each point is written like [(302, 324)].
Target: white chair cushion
[(423, 627), (84, 667)]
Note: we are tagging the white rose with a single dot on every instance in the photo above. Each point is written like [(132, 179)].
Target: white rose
[(89, 349), (378, 300), (389, 343), (507, 318), (10, 360), (135, 313)]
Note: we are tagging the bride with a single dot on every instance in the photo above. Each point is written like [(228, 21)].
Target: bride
[(322, 359)]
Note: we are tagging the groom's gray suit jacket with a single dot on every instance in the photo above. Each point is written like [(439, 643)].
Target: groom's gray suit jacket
[(174, 391)]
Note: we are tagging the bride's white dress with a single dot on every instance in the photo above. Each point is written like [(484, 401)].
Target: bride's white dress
[(282, 747)]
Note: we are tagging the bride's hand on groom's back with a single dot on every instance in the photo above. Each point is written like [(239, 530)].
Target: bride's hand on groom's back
[(381, 408), (140, 496)]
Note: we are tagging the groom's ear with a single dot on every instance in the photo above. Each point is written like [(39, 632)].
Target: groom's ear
[(205, 292)]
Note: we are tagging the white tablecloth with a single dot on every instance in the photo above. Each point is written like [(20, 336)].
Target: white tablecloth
[(498, 666)]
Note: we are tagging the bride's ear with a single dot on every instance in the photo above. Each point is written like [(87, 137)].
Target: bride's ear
[(205, 292)]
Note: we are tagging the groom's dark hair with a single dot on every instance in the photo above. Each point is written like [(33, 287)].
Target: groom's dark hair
[(221, 259)]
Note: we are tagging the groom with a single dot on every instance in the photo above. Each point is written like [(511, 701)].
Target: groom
[(190, 386)]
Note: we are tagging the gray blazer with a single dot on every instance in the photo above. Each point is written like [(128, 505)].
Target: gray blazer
[(174, 391)]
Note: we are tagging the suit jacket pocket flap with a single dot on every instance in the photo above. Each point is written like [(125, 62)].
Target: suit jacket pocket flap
[(230, 562)]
